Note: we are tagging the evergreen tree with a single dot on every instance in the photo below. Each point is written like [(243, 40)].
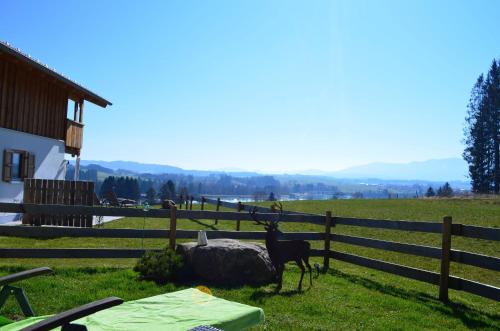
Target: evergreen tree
[(165, 193), (445, 191), (123, 187), (482, 132), (171, 188), (184, 192), (271, 197), (107, 186), (430, 192), (133, 189), (151, 195), (357, 195)]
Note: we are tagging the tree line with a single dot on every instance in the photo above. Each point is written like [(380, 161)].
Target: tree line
[(123, 187), (444, 191)]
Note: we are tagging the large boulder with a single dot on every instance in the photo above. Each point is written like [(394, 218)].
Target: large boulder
[(229, 261)]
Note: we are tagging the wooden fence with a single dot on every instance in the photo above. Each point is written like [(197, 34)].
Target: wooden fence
[(58, 192), (443, 279)]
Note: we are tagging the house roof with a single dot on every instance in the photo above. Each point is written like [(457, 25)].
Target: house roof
[(26, 58)]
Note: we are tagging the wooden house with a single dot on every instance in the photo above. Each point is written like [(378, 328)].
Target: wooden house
[(35, 133)]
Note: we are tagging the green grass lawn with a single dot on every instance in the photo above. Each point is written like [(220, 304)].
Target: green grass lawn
[(348, 297)]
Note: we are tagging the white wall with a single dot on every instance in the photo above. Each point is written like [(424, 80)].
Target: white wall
[(49, 163)]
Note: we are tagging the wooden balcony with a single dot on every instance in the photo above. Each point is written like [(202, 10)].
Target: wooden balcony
[(74, 137)]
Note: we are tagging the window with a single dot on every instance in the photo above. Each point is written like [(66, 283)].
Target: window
[(17, 165)]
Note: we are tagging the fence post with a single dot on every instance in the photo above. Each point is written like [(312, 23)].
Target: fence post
[(202, 203), (328, 230), (187, 202), (240, 207), (191, 203), (445, 259), (217, 209), (173, 226), (180, 201)]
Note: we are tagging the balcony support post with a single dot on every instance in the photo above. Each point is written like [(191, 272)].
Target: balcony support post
[(81, 111), (75, 111), (77, 167)]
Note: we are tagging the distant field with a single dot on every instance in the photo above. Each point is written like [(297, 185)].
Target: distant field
[(350, 297)]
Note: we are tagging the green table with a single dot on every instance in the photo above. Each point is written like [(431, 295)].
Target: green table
[(181, 310)]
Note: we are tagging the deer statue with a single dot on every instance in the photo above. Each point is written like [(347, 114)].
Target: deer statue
[(282, 251)]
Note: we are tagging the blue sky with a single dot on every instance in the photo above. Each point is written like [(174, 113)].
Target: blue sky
[(265, 85)]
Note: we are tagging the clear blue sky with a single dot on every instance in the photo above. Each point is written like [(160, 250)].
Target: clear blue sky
[(265, 85)]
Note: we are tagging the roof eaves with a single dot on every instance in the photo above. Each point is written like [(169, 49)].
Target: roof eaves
[(89, 95)]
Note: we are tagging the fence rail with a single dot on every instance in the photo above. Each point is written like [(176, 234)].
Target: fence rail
[(443, 279), (470, 231), (59, 232), (456, 283), (474, 259)]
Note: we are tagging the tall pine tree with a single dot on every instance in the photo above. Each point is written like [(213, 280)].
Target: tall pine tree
[(482, 132)]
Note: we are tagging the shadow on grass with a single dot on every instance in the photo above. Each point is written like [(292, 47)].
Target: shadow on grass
[(260, 295), (210, 226), (470, 317)]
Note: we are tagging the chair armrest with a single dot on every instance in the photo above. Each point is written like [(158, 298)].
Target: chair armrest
[(24, 275), (74, 314)]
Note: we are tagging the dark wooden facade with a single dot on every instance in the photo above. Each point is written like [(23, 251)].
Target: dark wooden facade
[(30, 102)]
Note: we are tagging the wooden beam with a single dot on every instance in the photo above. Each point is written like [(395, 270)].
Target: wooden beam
[(479, 232), (70, 253), (484, 290), (47, 232), (328, 230), (240, 208), (173, 227), (81, 111), (401, 270), (445, 259), (75, 111), (217, 207), (427, 251), (432, 227)]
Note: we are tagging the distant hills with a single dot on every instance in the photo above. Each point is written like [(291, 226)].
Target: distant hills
[(440, 170), (134, 166), (156, 169), (451, 169)]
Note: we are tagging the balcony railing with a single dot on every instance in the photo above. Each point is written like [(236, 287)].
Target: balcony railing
[(74, 137)]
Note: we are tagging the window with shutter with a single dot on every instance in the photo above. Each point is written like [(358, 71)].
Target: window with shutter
[(7, 166), (17, 165)]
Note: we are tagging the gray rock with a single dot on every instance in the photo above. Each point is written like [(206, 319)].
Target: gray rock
[(229, 261)]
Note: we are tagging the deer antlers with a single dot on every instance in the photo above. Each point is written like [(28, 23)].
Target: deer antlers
[(253, 215), (275, 207)]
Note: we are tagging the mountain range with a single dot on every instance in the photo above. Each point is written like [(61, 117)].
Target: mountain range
[(438, 170), (450, 169)]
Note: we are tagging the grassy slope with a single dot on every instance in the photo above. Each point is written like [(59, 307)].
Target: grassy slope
[(350, 297)]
